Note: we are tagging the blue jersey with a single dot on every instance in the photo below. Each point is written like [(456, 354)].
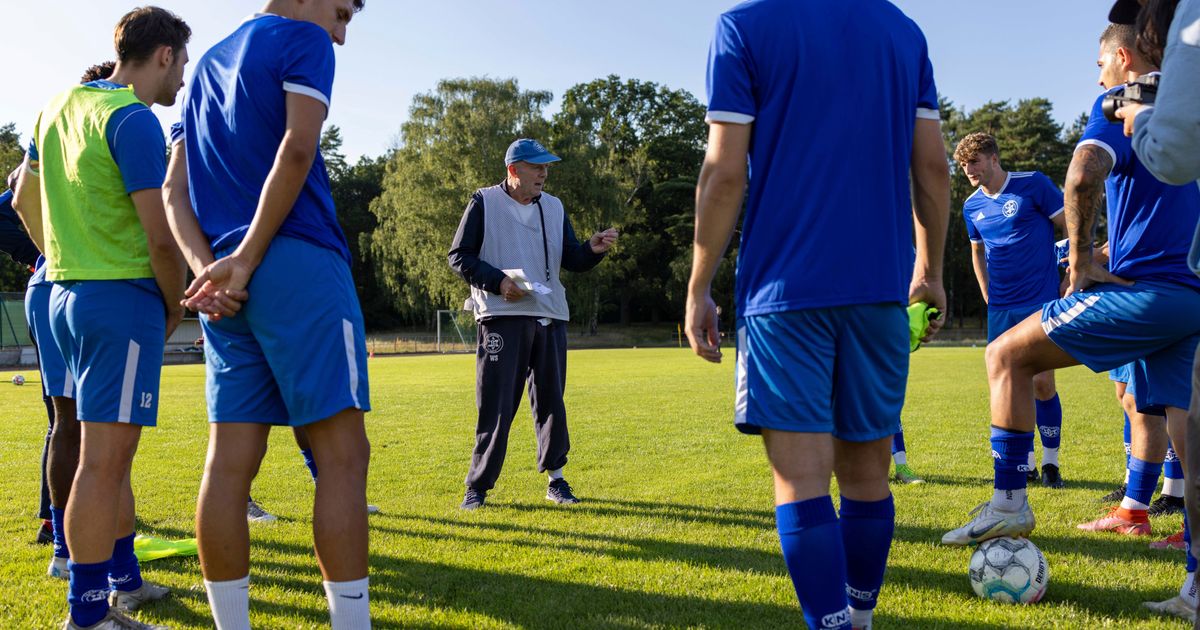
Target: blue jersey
[(827, 86), (1016, 229), (1150, 223), (136, 142), (14, 241), (234, 119)]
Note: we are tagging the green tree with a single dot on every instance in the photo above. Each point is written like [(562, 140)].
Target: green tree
[(452, 144), (642, 145)]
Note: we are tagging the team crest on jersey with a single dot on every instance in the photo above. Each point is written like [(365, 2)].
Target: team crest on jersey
[(1010, 208), (493, 343)]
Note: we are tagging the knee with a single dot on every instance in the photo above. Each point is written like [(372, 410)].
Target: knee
[(1043, 388), (998, 359)]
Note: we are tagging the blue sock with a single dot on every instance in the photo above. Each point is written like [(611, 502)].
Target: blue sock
[(306, 453), (1143, 477), (125, 574), (816, 560), (58, 520), (1128, 441), (1187, 538), (1049, 421), (88, 594), (1171, 466), (867, 528), (1010, 451), (898, 442)]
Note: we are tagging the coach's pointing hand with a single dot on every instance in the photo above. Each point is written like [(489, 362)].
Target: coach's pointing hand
[(603, 241)]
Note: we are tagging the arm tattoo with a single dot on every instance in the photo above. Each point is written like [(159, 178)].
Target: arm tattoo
[(1084, 193)]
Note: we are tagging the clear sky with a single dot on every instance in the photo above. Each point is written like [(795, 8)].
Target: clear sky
[(981, 51)]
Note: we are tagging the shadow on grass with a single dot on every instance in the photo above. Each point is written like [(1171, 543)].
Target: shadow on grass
[(985, 484)]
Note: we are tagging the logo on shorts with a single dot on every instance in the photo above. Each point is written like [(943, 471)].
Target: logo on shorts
[(93, 596), (1010, 208), (836, 620), (493, 343), (1050, 432)]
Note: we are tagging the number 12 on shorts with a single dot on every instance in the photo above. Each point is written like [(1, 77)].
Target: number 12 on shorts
[(147, 400)]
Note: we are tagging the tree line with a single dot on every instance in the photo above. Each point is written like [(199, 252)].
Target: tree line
[(632, 151)]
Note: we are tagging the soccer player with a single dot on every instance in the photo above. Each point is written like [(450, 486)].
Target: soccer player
[(904, 473), (1139, 310), (90, 196), (15, 243), (251, 208), (823, 339), (61, 455), (1010, 220)]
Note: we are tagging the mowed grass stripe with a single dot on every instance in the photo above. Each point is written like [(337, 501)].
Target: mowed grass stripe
[(677, 528)]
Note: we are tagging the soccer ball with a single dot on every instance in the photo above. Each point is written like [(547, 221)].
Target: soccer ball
[(1010, 570), (18, 380)]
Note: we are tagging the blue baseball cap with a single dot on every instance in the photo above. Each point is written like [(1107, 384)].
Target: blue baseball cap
[(527, 150)]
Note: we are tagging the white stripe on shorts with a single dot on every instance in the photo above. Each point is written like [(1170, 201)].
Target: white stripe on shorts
[(1063, 319), (351, 362), (741, 391), (68, 384), (131, 363)]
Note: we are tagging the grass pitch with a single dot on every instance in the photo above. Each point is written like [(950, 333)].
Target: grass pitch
[(677, 527)]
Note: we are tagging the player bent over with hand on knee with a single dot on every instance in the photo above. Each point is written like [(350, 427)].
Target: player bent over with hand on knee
[(263, 229)]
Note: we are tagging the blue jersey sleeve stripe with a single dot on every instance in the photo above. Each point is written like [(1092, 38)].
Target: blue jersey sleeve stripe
[(1099, 143), (296, 88), (125, 119), (729, 117), (925, 113), (1057, 212)]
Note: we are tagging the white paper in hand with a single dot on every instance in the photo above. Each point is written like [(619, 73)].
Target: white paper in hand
[(542, 289), (518, 276)]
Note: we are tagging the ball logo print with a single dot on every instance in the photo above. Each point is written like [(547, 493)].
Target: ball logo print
[(93, 596), (1050, 432), (1010, 208), (493, 343), (1009, 570)]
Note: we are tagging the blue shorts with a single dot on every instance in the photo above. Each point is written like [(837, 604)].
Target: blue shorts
[(1151, 325), (112, 334), (839, 370), (56, 378), (1133, 378), (1000, 320), (296, 353)]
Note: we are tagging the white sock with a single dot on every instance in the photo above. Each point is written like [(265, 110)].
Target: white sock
[(1032, 460), (555, 474), (1188, 590), (349, 605), (1049, 456), (901, 458), (861, 618), (1008, 500), (230, 603), (1130, 504), (1172, 487), (59, 563)]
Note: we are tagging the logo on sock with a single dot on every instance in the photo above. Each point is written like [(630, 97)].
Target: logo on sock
[(1050, 432), (359, 596), (995, 455), (115, 581), (866, 596), (836, 620), (1026, 468), (94, 596)]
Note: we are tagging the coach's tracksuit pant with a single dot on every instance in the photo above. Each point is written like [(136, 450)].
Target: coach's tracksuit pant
[(514, 351)]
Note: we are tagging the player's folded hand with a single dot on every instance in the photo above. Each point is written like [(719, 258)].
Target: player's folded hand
[(932, 293), (702, 327), (220, 289)]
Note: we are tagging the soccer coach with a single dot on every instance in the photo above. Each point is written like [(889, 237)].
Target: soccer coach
[(511, 254)]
